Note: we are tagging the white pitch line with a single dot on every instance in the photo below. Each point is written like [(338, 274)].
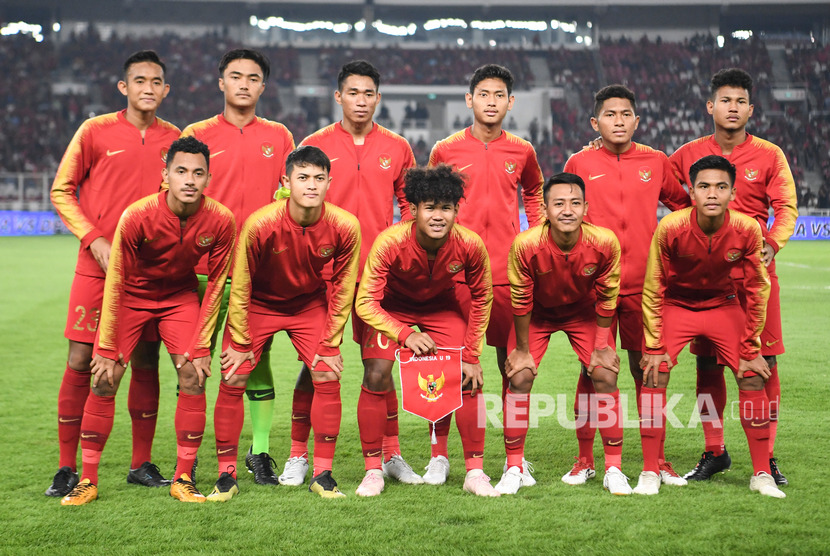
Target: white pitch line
[(799, 265)]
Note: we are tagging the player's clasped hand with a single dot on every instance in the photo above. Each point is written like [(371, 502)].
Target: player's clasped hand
[(232, 359), (758, 366), (202, 366), (650, 363), (334, 362), (421, 343), (606, 358), (518, 361)]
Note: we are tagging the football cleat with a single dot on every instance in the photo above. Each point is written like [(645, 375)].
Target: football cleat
[(184, 490), (708, 465), (262, 466), (478, 483), (63, 482), (779, 477), (225, 488), (192, 473), (616, 482), (372, 483), (294, 472), (511, 481), (147, 475), (397, 468), (438, 470), (763, 483), (83, 493), (649, 483), (527, 472), (579, 473), (668, 476), (325, 486)]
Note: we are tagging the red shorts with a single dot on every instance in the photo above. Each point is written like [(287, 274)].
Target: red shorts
[(303, 327), (723, 327), (501, 313), (772, 337), (581, 333), (629, 316), (446, 326), (176, 326), (85, 300)]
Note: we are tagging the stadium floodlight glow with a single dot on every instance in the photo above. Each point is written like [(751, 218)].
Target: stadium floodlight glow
[(360, 26), (492, 42), (253, 20), (272, 21), (579, 39), (588, 40), (590, 25), (742, 35), (554, 24), (394, 30), (720, 41), (56, 27), (459, 41), (568, 27), (509, 24), (23, 28), (443, 23)]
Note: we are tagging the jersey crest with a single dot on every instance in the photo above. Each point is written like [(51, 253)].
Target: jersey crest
[(589, 269), (645, 174), (510, 165), (733, 255), (205, 240), (163, 154), (267, 149), (385, 161), (751, 174)]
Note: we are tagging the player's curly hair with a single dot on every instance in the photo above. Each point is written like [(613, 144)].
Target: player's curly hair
[(189, 145), (255, 56), (731, 77), (712, 162), (144, 56), (440, 184), (492, 71), (566, 178), (358, 67), (613, 91)]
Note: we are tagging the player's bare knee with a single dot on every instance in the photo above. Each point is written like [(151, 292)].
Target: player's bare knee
[(605, 381), (323, 376), (522, 382), (707, 364), (377, 375), (751, 383), (80, 356), (304, 380), (237, 381), (771, 361)]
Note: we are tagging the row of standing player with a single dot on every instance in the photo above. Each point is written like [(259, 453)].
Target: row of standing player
[(371, 161)]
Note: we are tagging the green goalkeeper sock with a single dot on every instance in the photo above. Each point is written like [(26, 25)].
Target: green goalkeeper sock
[(260, 393)]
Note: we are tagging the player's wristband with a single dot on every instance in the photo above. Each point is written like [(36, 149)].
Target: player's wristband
[(601, 337)]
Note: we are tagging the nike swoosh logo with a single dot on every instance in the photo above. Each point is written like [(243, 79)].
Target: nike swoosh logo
[(477, 456), (592, 178), (541, 272), (258, 395), (686, 256), (113, 153), (224, 451), (612, 443), (464, 168), (760, 424), (373, 454), (88, 435), (298, 417), (148, 415), (217, 153), (333, 159), (280, 251), (62, 420), (511, 441), (772, 343), (197, 437), (330, 438)]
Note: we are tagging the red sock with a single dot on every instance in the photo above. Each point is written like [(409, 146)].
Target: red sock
[(773, 389), (143, 404), (228, 416), (505, 385), (71, 399), (371, 420), (99, 413), (652, 425), (638, 387), (585, 430), (469, 419), (391, 444), (300, 422), (712, 384), (609, 422), (325, 420), (190, 427), (440, 430), (516, 411), (755, 421)]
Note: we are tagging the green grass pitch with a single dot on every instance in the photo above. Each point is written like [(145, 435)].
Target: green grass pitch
[(721, 516)]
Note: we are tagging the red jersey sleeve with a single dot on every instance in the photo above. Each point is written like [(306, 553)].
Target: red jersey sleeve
[(607, 284), (403, 204), (532, 183), (756, 285), (654, 288), (480, 281), (672, 192), (782, 196), (519, 272), (245, 258)]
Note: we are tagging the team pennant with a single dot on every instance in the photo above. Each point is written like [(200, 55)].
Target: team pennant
[(430, 384)]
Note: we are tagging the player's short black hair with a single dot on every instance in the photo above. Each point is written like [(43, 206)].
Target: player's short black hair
[(358, 67), (307, 155), (190, 145), (712, 162), (256, 56), (730, 77), (613, 91), (144, 56), (440, 184), (564, 177), (492, 71)]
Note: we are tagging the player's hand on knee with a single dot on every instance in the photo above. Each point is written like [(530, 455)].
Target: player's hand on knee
[(102, 367), (650, 363), (232, 359), (202, 366), (606, 358), (473, 375), (420, 343), (517, 361), (334, 363), (758, 366)]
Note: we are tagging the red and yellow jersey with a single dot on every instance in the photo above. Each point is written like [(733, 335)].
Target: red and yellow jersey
[(763, 180), (622, 192), (562, 286), (689, 269), (279, 268), (494, 172), (152, 265), (107, 166), (366, 179), (398, 272), (246, 164)]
